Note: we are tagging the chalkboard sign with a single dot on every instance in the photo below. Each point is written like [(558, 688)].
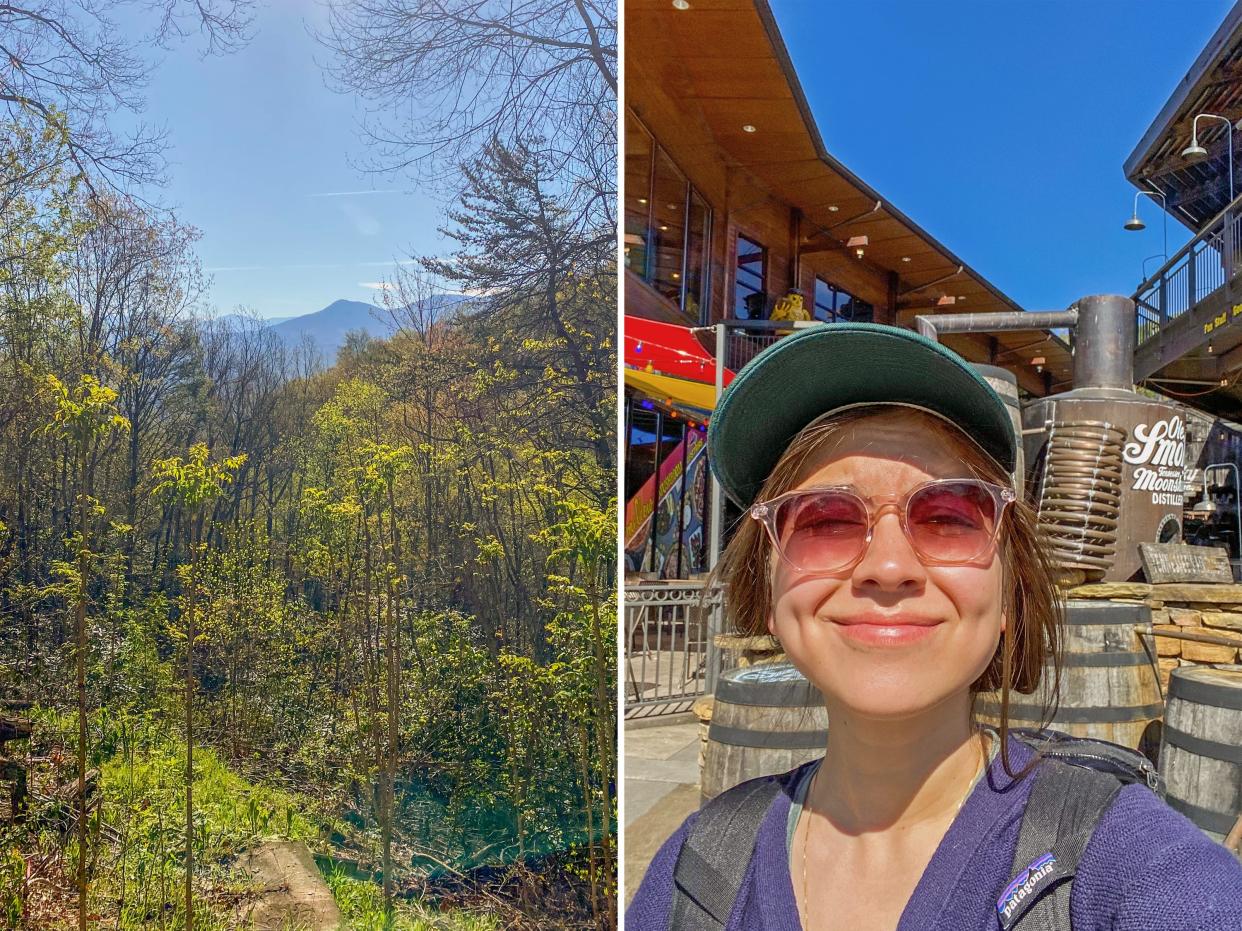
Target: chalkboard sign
[(1176, 562)]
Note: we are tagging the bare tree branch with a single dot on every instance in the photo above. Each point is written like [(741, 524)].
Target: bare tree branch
[(443, 78), (70, 65)]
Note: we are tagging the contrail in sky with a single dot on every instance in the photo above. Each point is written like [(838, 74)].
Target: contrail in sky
[(354, 193), (263, 268)]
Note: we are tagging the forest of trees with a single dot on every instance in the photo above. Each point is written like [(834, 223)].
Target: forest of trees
[(378, 591)]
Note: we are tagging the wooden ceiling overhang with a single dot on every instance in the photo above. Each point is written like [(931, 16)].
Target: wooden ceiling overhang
[(1196, 191), (726, 65)]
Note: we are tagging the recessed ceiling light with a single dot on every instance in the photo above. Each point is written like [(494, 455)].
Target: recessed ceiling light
[(833, 208), (672, 206), (905, 258), (642, 200), (676, 275), (748, 128), (681, 5), (664, 227)]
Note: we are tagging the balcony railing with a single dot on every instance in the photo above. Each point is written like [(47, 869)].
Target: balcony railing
[(671, 656), (1197, 271)]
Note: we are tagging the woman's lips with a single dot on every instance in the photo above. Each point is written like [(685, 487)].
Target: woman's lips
[(883, 632)]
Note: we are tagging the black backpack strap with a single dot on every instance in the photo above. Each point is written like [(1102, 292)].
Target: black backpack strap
[(716, 854), (1064, 806)]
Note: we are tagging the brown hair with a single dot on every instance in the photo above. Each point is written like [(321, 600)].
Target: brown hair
[(1033, 606)]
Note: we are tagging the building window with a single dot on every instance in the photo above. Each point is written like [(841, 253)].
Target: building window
[(698, 238), (667, 224), (835, 305), (749, 294), (668, 234), (639, 149)]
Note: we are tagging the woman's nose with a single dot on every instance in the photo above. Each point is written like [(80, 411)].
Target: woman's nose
[(890, 562)]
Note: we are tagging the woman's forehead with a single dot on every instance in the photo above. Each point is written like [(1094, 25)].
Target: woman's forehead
[(885, 451)]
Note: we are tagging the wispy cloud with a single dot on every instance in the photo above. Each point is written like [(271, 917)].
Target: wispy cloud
[(377, 285), (304, 265), (355, 193)]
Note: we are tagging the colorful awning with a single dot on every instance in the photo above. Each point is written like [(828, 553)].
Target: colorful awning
[(668, 364), (690, 396)]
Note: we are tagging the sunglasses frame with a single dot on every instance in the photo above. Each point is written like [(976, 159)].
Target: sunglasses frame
[(766, 513)]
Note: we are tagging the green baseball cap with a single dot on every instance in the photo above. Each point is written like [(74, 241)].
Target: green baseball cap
[(825, 368)]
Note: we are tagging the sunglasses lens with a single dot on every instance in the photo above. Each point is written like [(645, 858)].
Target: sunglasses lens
[(952, 521), (822, 531)]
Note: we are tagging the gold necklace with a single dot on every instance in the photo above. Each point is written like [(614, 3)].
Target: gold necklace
[(806, 834)]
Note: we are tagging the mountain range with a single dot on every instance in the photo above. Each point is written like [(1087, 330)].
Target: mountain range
[(327, 328)]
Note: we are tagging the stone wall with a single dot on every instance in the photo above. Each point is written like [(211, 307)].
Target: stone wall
[(1213, 612)]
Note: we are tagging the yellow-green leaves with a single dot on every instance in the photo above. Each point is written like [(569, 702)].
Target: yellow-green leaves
[(194, 480), (83, 412)]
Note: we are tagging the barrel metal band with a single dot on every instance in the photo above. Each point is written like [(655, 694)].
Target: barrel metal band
[(1132, 715), (768, 740), (1218, 821), (1104, 617), (1104, 659), (1205, 693), (1212, 749)]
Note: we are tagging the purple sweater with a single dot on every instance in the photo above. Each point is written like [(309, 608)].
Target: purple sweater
[(1146, 868)]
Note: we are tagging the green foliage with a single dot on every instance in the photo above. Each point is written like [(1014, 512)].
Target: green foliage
[(362, 907), (398, 570), (195, 480), (12, 882), (84, 413)]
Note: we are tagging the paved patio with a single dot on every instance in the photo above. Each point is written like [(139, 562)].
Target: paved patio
[(661, 787)]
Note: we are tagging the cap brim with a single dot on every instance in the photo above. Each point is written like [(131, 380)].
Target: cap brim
[(825, 368)]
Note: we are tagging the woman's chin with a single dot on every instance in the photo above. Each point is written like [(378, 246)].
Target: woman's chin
[(891, 691)]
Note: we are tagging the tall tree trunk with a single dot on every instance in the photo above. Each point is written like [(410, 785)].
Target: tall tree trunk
[(80, 657), (191, 605)]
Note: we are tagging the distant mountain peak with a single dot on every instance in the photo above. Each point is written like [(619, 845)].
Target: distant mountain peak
[(328, 327)]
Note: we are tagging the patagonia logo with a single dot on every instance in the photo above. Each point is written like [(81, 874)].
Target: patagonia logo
[(1026, 887)]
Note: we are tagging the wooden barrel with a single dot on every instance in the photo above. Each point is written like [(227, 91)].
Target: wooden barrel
[(1201, 750), (1109, 684), (767, 719), (1005, 383)]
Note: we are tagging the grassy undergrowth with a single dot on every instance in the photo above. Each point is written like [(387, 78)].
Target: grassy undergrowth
[(362, 905), (138, 843)]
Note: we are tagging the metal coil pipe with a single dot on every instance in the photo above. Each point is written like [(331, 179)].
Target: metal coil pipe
[(1080, 498)]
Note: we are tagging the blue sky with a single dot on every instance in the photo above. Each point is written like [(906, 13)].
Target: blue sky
[(257, 143), (1001, 127)]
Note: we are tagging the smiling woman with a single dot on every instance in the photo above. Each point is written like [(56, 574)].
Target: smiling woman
[(888, 554)]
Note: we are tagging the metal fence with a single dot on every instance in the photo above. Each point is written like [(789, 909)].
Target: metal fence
[(745, 339), (671, 656), (1200, 268)]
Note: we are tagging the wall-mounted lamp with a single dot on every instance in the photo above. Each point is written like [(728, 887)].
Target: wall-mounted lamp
[(1195, 152), (1134, 224), (1148, 259), (857, 243)]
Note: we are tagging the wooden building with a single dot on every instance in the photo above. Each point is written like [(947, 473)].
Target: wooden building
[(1190, 309), (730, 193), (732, 202)]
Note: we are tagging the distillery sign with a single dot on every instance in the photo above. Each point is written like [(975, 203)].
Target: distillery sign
[(1158, 454)]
